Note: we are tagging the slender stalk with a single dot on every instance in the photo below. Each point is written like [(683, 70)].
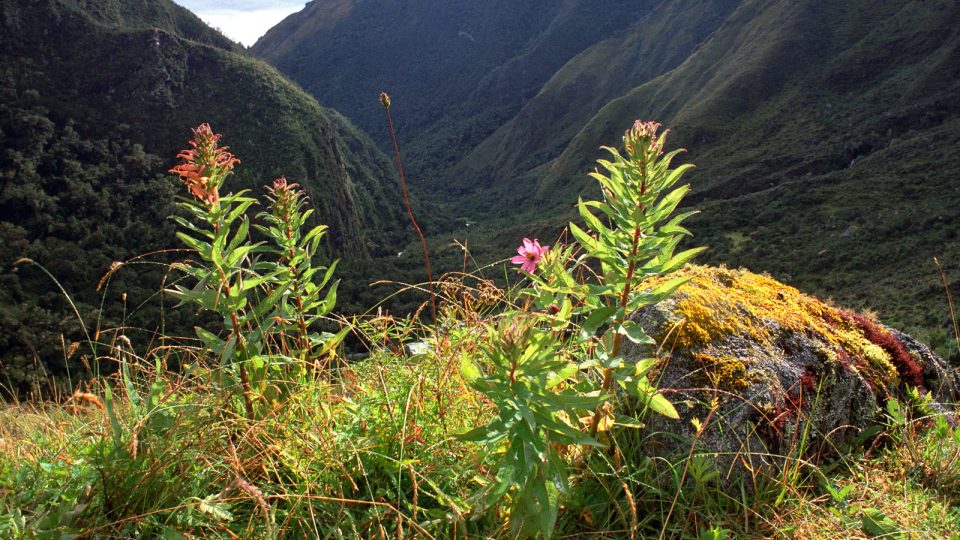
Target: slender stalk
[(385, 101), (618, 337), (303, 340), (953, 307), (235, 323), (624, 297)]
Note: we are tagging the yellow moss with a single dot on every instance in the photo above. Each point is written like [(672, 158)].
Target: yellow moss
[(719, 302), (723, 372)]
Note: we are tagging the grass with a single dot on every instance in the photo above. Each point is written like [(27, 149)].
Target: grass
[(370, 450)]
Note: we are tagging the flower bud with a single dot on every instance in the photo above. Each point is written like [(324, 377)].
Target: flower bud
[(641, 136), (385, 100)]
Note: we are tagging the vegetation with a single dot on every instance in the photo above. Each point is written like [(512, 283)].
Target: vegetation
[(513, 415), (525, 405), (824, 132), (93, 94)]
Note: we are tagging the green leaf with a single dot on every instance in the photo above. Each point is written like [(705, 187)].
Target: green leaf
[(588, 242), (261, 309), (468, 369), (217, 510), (635, 333), (591, 220), (564, 434), (877, 524), (548, 501), (669, 203), (681, 259), (112, 414), (315, 233), (598, 318), (628, 422), (641, 367), (328, 274), (487, 434), (200, 247), (241, 235), (675, 174), (236, 255), (662, 405)]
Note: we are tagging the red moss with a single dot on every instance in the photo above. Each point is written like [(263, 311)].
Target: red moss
[(911, 372), (808, 381), (794, 400)]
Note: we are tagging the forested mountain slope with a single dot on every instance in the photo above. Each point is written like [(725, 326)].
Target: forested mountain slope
[(98, 98), (456, 69)]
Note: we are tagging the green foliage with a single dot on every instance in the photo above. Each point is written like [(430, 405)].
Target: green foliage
[(304, 300), (540, 385), (93, 99), (638, 244), (258, 300), (529, 381), (485, 61), (369, 447), (814, 150)]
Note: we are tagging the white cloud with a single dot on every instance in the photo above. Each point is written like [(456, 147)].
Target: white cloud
[(243, 20)]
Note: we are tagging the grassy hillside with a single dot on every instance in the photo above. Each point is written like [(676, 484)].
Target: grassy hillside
[(822, 132), (822, 137), (548, 121), (98, 99)]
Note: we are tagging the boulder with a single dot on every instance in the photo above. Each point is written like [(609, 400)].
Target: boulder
[(773, 374)]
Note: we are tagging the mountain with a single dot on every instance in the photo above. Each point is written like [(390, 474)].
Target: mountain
[(456, 69), (824, 133), (98, 98)]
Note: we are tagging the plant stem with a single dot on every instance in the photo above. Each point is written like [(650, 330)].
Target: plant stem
[(953, 307), (235, 323), (406, 202), (304, 339), (618, 337)]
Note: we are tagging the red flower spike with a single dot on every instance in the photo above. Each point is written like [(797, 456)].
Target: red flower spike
[(205, 166)]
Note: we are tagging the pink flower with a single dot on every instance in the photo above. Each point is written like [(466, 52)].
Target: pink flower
[(529, 254)]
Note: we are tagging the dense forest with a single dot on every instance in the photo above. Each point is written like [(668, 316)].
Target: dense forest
[(97, 100)]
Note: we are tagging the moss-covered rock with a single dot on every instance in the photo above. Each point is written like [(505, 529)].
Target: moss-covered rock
[(772, 372)]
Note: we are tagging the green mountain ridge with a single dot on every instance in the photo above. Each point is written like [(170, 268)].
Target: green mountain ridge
[(98, 98), (824, 134), (799, 116), (456, 70)]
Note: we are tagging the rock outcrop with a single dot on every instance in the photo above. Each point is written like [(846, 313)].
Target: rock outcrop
[(773, 374)]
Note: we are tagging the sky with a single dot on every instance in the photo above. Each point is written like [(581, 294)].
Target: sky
[(242, 20)]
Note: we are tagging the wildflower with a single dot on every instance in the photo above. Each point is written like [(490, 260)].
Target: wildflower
[(206, 165), (284, 198), (643, 135), (529, 254)]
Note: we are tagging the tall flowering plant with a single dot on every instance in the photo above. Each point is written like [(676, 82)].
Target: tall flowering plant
[(543, 386), (261, 291), (302, 298), (634, 238)]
